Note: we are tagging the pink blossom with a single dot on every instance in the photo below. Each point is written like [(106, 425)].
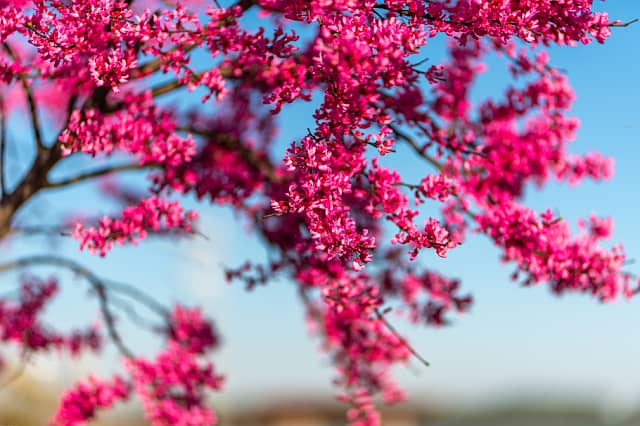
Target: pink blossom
[(20, 322), (152, 214), (172, 386), (80, 403)]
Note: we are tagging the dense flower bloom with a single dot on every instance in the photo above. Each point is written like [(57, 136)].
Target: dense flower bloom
[(135, 222), (340, 220), (80, 403), (172, 386), (191, 330)]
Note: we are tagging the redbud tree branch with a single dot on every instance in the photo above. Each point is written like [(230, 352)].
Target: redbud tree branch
[(414, 145), (46, 158), (404, 341), (624, 24), (33, 109), (97, 173), (36, 176), (3, 146), (97, 284)]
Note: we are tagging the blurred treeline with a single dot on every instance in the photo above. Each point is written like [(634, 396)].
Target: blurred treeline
[(27, 401)]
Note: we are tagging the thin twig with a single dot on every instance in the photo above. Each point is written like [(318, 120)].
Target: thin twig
[(126, 307), (96, 283), (155, 64), (29, 230), (625, 24), (99, 172), (18, 372), (138, 296), (393, 330), (170, 86), (419, 150), (407, 185), (33, 110)]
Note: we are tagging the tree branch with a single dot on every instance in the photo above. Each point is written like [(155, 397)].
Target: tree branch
[(139, 297), (170, 86), (624, 24), (33, 110), (35, 177), (97, 173), (419, 150), (39, 230), (3, 146), (96, 283), (393, 330)]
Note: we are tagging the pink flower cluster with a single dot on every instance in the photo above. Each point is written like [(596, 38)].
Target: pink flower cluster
[(81, 403), (543, 249), (428, 296), (152, 214), (191, 330), (532, 21), (142, 129), (20, 322), (319, 197), (387, 196), (171, 387), (362, 346)]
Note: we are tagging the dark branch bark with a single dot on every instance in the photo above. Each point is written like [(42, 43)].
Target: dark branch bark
[(33, 109), (46, 158), (34, 180)]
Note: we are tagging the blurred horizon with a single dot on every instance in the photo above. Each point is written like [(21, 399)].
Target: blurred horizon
[(33, 400)]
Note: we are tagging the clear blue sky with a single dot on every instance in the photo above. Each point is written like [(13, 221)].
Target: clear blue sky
[(515, 340)]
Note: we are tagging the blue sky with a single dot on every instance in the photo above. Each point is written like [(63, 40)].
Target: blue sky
[(515, 341)]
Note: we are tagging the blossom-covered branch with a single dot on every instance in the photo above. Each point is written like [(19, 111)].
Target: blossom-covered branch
[(340, 223)]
